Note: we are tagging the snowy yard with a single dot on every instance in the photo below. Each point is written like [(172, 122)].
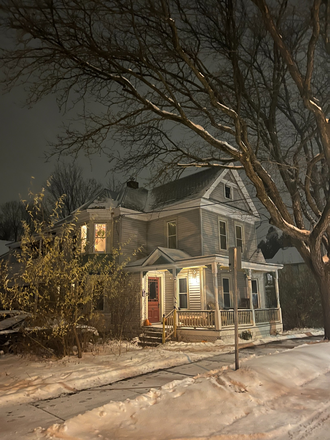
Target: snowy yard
[(277, 396)]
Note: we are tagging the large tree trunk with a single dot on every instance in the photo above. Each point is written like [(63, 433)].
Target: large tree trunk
[(323, 281)]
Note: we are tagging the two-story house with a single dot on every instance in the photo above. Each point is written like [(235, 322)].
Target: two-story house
[(185, 229)]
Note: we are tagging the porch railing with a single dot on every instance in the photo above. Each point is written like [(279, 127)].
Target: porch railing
[(267, 315), (198, 318), (169, 325), (206, 318), (245, 317)]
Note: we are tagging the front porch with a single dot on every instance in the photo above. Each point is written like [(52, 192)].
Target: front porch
[(201, 325), (193, 296)]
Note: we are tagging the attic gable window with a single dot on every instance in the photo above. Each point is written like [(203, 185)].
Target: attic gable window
[(83, 238), (171, 234), (100, 230), (228, 192)]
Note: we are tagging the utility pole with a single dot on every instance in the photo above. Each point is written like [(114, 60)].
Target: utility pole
[(235, 264)]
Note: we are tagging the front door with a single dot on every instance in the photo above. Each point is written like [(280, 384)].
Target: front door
[(153, 299)]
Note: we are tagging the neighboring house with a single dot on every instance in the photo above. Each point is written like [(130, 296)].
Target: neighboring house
[(299, 292), (185, 229)]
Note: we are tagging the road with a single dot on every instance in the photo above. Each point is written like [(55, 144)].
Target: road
[(18, 421)]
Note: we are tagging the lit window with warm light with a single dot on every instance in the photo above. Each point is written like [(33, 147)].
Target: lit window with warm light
[(83, 238), (100, 237)]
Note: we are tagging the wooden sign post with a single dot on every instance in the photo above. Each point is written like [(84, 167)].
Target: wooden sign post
[(234, 265)]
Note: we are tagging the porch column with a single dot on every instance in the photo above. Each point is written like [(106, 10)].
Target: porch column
[(175, 290), (277, 293), (249, 289), (216, 296), (144, 302)]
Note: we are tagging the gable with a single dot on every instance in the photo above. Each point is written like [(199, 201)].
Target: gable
[(236, 195)]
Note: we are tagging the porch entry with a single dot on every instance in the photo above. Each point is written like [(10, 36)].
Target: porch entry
[(153, 299)]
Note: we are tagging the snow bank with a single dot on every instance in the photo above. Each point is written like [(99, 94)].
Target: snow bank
[(261, 400)]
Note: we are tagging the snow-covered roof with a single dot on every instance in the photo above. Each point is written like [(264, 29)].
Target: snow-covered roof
[(288, 255), (194, 186)]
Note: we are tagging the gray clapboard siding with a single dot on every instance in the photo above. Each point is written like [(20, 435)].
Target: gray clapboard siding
[(169, 292), (133, 237), (194, 290), (209, 290), (188, 232), (251, 244), (210, 231), (238, 200), (189, 235)]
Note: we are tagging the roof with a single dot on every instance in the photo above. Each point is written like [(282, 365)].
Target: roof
[(194, 186), (288, 255), (186, 188)]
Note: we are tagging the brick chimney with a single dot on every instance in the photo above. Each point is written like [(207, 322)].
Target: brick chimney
[(132, 183)]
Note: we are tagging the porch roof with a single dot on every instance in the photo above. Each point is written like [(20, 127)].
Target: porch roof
[(164, 258)]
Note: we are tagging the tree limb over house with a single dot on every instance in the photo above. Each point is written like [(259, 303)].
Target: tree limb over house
[(197, 83)]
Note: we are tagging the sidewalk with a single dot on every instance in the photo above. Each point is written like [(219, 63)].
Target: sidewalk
[(27, 385)]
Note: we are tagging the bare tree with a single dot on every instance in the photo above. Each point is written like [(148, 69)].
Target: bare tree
[(12, 215), (67, 180), (242, 84)]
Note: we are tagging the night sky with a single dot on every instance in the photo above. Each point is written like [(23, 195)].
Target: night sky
[(24, 136)]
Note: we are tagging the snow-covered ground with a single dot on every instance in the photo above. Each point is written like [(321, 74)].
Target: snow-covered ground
[(268, 397)]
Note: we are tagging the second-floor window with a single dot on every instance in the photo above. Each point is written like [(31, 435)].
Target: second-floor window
[(100, 230), (223, 234), (171, 234), (239, 236), (83, 237)]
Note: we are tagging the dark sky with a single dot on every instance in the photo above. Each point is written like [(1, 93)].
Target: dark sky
[(24, 136)]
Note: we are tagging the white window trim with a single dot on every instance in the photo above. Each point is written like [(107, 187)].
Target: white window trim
[(243, 236), (226, 223), (227, 184), (83, 238), (174, 220), (105, 238), (186, 277), (228, 277), (258, 291)]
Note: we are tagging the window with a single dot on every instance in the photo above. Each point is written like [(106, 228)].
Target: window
[(226, 292), (228, 192), (171, 234), (223, 235), (83, 238), (183, 293), (239, 236), (255, 296), (99, 237)]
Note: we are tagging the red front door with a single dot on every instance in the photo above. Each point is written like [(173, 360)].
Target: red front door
[(153, 299)]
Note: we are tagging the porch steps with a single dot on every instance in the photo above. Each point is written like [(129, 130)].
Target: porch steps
[(151, 337)]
